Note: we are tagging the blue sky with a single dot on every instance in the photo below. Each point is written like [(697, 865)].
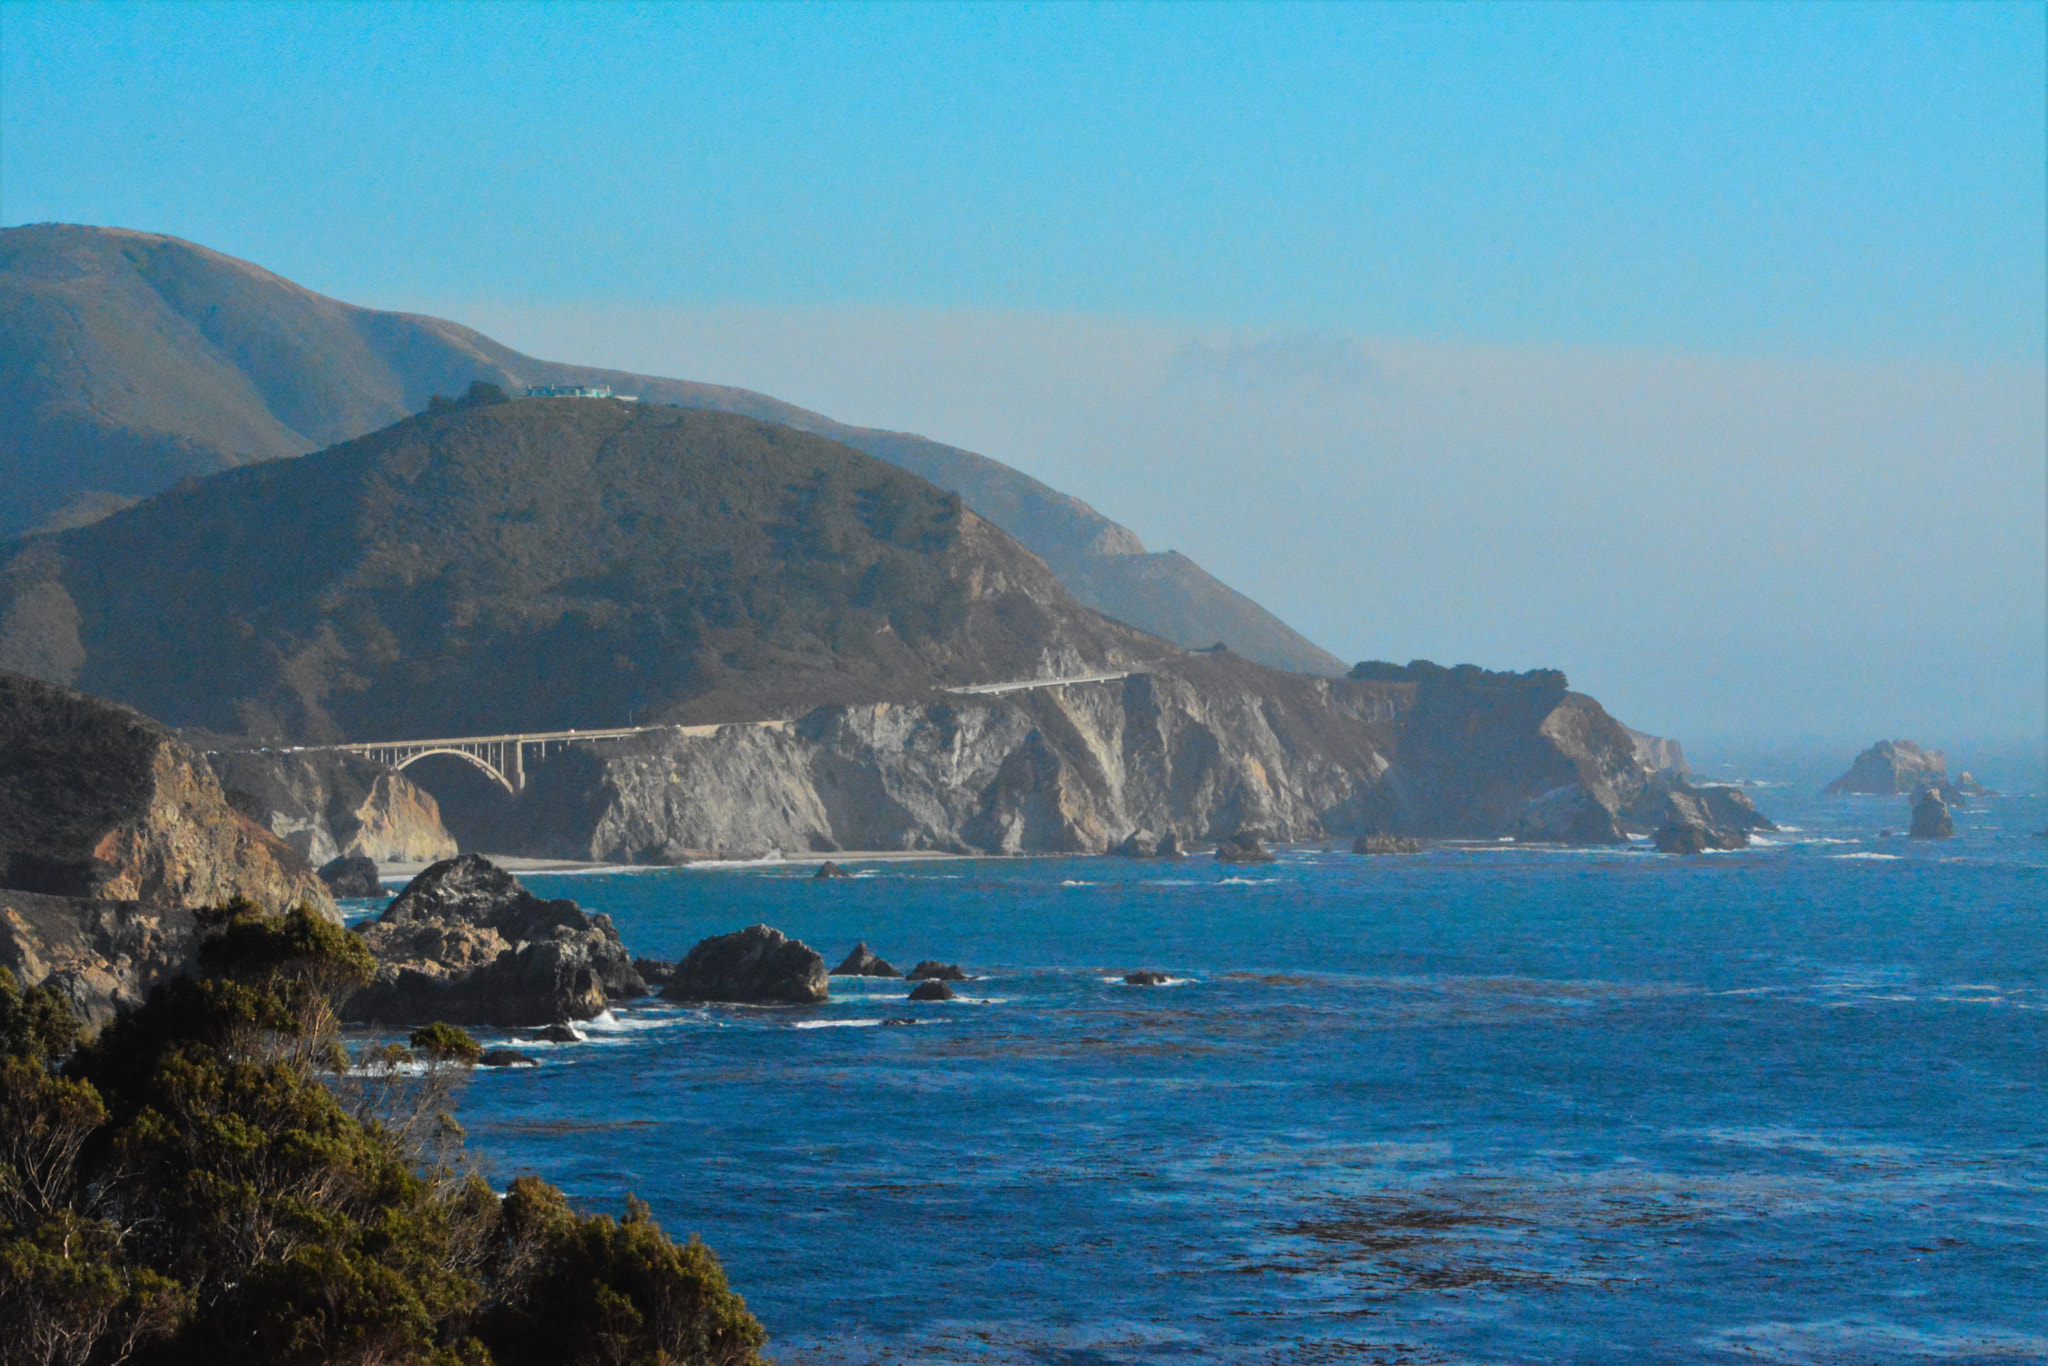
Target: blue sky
[(1001, 225)]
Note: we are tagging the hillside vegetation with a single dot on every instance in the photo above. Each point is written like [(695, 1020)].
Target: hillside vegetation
[(129, 360), (540, 564)]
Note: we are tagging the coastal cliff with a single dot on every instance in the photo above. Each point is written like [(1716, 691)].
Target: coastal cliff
[(328, 805), (1203, 748), (111, 830)]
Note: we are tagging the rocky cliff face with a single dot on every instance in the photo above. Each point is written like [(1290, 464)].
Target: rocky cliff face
[(110, 831), (328, 805), (1200, 749)]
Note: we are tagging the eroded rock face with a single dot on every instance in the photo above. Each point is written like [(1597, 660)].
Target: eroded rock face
[(1386, 844), (111, 832), (330, 805), (758, 965), (466, 943), (1243, 848), (1669, 800), (1931, 818)]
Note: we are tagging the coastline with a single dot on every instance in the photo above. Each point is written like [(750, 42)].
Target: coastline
[(519, 866)]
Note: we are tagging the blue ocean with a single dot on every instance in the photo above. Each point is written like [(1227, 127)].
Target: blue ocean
[(1483, 1104)]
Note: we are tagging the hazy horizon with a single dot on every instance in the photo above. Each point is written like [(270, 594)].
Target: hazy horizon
[(1695, 350)]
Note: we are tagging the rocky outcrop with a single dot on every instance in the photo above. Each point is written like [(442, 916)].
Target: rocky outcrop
[(328, 804), (99, 801), (1145, 844), (1658, 754), (1892, 768), (931, 990), (466, 943), (1243, 848), (1691, 836), (1931, 818), (1387, 844), (1146, 978), (353, 876), (1668, 799), (1572, 814), (828, 870), (104, 956), (111, 832), (758, 965), (863, 963), (930, 970)]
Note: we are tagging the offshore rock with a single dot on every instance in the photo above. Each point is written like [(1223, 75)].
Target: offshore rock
[(352, 875), (111, 832), (758, 965), (1146, 978), (1572, 814), (1386, 844), (930, 971), (327, 804), (1931, 819), (1892, 768), (505, 1057), (466, 943), (1668, 799), (1696, 837), (1138, 844), (829, 870), (931, 991), (862, 963), (558, 1033), (1243, 848)]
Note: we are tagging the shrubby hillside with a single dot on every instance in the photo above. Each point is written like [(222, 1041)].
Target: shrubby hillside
[(129, 360), (540, 564)]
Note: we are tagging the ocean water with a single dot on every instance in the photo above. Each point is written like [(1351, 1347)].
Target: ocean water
[(1484, 1104)]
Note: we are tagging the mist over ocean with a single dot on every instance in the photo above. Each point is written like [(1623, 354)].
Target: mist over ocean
[(1476, 1105)]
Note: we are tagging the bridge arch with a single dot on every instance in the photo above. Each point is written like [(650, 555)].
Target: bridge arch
[(486, 765)]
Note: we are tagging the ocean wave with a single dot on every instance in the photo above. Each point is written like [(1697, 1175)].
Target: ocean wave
[(1247, 881), (835, 1024), (1866, 854), (1074, 882)]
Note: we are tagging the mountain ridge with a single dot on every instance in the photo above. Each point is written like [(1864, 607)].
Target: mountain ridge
[(129, 360)]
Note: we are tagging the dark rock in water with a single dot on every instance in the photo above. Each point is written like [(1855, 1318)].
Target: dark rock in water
[(655, 972), (1731, 809), (931, 991), (1386, 844), (829, 870), (862, 963), (558, 1033), (353, 875), (1931, 820), (898, 1020), (1571, 814), (1169, 846), (1968, 786), (1892, 768), (1243, 847), (929, 971), (466, 943), (504, 1057), (1696, 837), (1138, 844), (1147, 978), (754, 966)]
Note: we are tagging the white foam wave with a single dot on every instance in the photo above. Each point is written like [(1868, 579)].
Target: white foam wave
[(1071, 882), (1866, 854), (769, 860), (610, 1023), (835, 1024), (1247, 881)]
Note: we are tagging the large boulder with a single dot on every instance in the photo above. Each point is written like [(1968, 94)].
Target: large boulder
[(1243, 847), (1931, 819), (466, 943), (1667, 800), (931, 970), (111, 832), (758, 965), (1571, 814)]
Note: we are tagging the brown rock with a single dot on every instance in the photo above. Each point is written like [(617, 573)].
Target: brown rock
[(929, 971), (931, 991), (1386, 844), (861, 962), (758, 965)]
